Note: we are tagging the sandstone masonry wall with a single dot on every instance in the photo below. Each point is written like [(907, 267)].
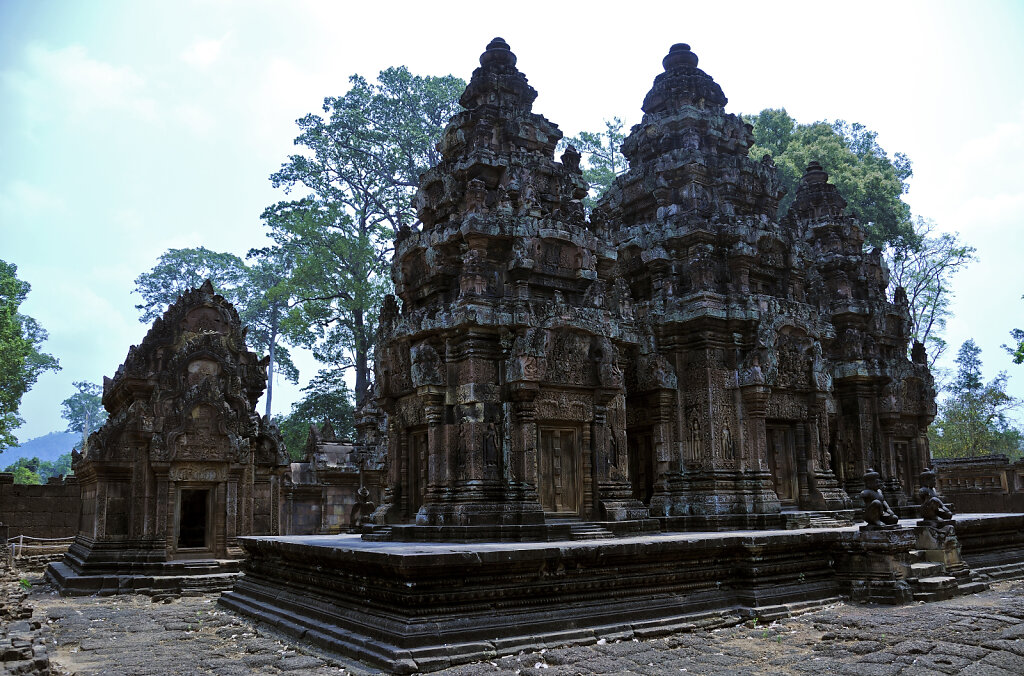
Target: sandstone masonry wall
[(982, 484), (47, 511)]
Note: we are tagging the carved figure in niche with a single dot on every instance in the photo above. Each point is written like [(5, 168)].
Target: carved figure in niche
[(851, 345), (820, 377), (608, 372), (426, 366), (476, 197), (932, 507), (752, 374), (691, 139), (623, 298), (612, 459), (201, 369), (492, 448), (877, 512), (870, 348), (206, 319), (695, 444), (728, 449)]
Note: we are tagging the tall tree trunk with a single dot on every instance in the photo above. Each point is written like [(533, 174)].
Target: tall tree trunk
[(270, 367), (362, 358)]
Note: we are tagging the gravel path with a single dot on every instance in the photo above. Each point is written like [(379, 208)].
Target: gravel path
[(981, 634)]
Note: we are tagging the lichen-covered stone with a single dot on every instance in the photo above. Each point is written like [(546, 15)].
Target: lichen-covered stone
[(184, 465), (685, 353)]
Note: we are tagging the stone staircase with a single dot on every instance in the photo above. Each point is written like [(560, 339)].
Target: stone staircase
[(930, 581), (807, 519), (578, 529), (589, 531)]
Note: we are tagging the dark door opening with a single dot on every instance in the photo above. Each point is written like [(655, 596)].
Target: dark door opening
[(559, 475), (782, 462), (415, 469), (641, 463), (192, 518)]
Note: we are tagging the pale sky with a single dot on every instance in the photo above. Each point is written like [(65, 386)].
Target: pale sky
[(127, 128)]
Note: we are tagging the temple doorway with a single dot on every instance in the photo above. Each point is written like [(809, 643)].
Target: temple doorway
[(559, 473), (641, 463), (415, 464), (782, 462), (193, 518)]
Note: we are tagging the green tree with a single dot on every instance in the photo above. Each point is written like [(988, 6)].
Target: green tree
[(180, 270), (602, 158), (260, 294), (360, 167), (264, 303), (925, 270), (84, 410), (327, 399), (872, 183), (59, 467), (974, 419), (21, 361), (26, 471)]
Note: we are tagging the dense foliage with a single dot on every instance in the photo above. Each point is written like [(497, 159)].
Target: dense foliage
[(327, 399), (925, 270), (35, 471), (872, 183), (358, 170), (84, 411), (259, 292), (21, 361), (974, 418)]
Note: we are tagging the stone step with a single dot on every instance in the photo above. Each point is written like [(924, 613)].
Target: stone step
[(378, 535), (926, 570), (972, 587), (589, 531), (935, 583)]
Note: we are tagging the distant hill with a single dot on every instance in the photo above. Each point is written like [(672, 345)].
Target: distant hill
[(48, 447)]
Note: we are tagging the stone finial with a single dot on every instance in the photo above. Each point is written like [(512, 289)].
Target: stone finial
[(679, 56), (682, 84), (498, 53), (817, 199), (815, 173), (207, 287), (497, 82)]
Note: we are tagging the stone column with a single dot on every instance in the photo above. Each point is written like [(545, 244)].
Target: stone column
[(440, 473)]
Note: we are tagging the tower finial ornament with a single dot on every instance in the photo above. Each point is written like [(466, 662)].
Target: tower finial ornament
[(679, 56)]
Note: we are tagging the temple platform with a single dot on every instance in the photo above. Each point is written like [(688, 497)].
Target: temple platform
[(421, 606), (104, 568)]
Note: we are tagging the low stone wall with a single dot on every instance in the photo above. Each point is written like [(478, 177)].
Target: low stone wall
[(48, 511), (983, 484)]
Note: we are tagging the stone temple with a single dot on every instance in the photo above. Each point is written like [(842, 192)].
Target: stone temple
[(660, 417), (183, 466), (684, 355)]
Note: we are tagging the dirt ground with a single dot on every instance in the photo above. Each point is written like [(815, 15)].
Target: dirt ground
[(981, 634)]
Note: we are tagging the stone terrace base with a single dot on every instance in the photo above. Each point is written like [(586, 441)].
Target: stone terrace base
[(104, 568), (423, 606), (992, 544)]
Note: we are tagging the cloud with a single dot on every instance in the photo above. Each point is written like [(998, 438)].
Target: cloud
[(203, 53), (71, 84), (195, 118), (22, 199)]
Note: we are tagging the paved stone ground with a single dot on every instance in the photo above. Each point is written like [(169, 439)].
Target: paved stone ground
[(981, 634)]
